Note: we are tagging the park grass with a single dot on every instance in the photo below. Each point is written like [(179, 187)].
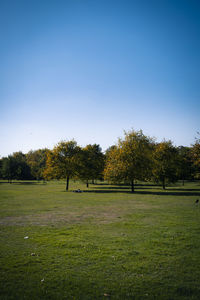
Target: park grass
[(104, 243)]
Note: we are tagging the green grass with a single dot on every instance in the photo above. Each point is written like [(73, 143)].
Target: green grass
[(105, 243)]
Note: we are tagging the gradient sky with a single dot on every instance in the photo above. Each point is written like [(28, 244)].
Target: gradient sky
[(89, 70)]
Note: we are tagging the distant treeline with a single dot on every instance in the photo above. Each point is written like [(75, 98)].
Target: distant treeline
[(135, 157)]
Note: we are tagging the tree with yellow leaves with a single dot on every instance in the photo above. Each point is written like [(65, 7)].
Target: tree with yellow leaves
[(91, 163), (165, 163), (63, 161), (195, 156), (37, 162), (131, 159)]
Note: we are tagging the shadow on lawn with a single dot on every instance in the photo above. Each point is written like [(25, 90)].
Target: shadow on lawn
[(167, 192), (25, 182), (147, 187), (32, 183), (112, 188), (123, 185)]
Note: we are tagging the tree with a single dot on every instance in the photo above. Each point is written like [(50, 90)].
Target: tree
[(22, 169), (1, 161), (8, 168), (114, 167), (37, 162), (63, 161), (91, 163), (184, 163), (109, 150), (165, 158), (131, 159), (15, 167), (195, 156)]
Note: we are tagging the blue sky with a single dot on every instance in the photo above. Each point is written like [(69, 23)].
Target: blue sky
[(89, 70)]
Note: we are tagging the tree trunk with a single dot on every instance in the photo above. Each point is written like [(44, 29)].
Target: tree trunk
[(87, 184), (67, 183), (183, 182), (163, 183), (132, 186)]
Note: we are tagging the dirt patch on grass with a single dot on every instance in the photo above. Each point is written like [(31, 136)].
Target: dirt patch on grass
[(57, 219), (75, 215)]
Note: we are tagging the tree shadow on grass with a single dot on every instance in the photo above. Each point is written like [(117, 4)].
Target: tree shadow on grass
[(125, 188), (112, 187), (186, 190), (24, 183), (159, 193), (147, 187), (104, 185), (169, 193)]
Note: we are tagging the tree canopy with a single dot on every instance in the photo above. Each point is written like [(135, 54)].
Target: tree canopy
[(195, 156), (15, 167), (37, 162), (131, 159), (63, 161), (91, 163), (165, 162)]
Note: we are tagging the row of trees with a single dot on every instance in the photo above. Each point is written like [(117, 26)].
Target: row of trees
[(24, 166), (66, 160), (135, 157), (139, 157)]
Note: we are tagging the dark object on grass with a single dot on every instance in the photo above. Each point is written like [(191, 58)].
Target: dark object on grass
[(77, 191), (197, 201)]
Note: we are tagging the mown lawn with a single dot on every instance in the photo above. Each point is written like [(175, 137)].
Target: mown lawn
[(104, 243)]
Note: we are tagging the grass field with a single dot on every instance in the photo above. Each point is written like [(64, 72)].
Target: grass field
[(104, 243)]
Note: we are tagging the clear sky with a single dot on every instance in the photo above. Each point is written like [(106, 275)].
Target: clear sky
[(89, 70)]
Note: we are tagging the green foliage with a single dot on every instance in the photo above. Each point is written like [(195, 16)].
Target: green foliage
[(136, 157), (195, 156), (63, 161), (114, 168), (1, 161), (165, 158), (108, 151), (185, 168), (37, 162), (91, 163), (131, 159), (15, 167)]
